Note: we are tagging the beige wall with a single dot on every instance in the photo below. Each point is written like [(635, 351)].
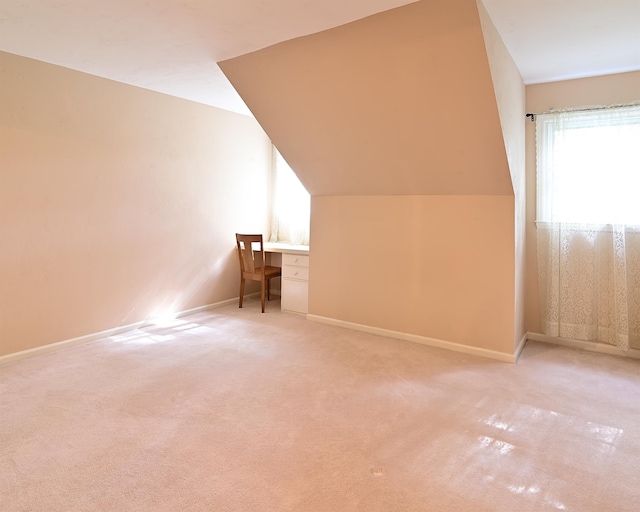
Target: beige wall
[(510, 96), (579, 93), (398, 103), (435, 266), (392, 124), (117, 204)]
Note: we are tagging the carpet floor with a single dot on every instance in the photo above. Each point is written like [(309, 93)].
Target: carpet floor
[(234, 410)]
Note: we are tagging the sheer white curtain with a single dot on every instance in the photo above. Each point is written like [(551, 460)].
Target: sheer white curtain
[(290, 205), (588, 224)]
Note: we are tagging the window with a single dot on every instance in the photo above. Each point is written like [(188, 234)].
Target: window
[(291, 205), (588, 229), (589, 166)]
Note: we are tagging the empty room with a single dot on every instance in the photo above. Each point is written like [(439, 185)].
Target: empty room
[(320, 255)]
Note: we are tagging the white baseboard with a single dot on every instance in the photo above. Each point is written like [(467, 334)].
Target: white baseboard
[(520, 346), (53, 347), (584, 345), (432, 342)]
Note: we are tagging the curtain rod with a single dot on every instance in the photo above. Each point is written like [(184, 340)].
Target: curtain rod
[(532, 116)]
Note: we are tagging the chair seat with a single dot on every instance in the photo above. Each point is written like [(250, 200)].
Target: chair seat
[(269, 271)]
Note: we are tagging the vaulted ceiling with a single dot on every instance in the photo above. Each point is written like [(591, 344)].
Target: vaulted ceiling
[(173, 46)]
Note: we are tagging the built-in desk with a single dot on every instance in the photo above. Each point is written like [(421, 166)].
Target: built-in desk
[(294, 292)]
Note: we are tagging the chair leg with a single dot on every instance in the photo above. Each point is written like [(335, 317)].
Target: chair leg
[(268, 289), (262, 293), (241, 291)]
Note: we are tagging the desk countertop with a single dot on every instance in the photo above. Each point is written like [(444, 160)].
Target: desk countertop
[(291, 249)]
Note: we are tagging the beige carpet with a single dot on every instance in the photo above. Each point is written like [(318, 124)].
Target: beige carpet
[(237, 411)]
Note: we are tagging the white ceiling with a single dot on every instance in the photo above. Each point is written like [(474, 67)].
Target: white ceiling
[(554, 40), (172, 46)]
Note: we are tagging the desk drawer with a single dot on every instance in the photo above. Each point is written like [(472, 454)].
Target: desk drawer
[(295, 296), (291, 272), (300, 260)]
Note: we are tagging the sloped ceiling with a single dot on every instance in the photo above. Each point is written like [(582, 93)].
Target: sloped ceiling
[(172, 46), (398, 103), (166, 45)]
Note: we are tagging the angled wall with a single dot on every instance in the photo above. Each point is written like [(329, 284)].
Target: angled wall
[(391, 122), (397, 103), (117, 204), (510, 98)]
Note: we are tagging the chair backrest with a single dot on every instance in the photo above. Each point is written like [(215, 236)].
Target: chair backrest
[(251, 257)]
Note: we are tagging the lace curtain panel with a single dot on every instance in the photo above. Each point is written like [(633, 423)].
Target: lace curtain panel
[(590, 282), (588, 225)]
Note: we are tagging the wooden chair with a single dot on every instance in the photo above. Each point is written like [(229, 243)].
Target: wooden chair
[(253, 265)]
